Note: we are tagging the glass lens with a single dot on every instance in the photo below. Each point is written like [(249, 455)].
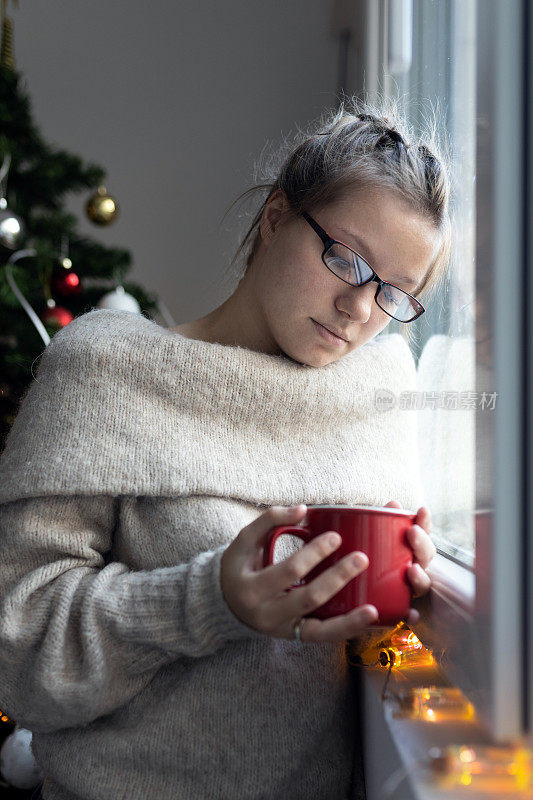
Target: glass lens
[(346, 264), (397, 303)]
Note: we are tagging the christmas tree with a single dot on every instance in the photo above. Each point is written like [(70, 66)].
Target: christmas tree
[(49, 274)]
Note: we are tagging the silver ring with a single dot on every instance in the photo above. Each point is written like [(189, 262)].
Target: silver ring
[(298, 630)]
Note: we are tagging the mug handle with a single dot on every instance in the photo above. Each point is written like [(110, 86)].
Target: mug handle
[(272, 537)]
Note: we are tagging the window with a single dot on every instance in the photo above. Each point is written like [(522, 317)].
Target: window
[(473, 60)]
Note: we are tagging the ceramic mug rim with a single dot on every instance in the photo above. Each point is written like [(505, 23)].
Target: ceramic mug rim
[(372, 509)]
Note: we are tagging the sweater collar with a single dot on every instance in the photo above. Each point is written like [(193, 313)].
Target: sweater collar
[(121, 405)]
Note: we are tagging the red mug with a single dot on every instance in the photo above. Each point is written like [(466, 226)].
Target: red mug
[(377, 531)]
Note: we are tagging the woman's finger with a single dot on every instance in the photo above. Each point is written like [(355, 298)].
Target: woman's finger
[(423, 518), (419, 580), (413, 617), (305, 599), (276, 579), (393, 504), (337, 629), (422, 546), (418, 534), (254, 535)]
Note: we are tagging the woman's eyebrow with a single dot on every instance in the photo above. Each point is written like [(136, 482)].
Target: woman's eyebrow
[(362, 246)]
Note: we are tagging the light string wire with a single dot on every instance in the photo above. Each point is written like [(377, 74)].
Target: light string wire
[(389, 786), (4, 169), (18, 294)]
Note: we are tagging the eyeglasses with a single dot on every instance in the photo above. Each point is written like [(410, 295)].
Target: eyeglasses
[(352, 268)]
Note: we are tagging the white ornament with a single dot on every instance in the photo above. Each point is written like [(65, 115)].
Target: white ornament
[(12, 229), (17, 762), (119, 300)]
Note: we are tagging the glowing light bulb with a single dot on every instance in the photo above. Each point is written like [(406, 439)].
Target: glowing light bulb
[(405, 639), (417, 657), (466, 755), (400, 647), (488, 768), (437, 704)]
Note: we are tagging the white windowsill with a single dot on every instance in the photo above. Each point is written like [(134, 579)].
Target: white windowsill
[(397, 748), (452, 583)]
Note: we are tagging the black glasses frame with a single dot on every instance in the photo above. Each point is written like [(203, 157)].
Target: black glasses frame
[(328, 241)]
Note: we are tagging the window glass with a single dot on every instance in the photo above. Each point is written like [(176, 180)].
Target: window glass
[(440, 67)]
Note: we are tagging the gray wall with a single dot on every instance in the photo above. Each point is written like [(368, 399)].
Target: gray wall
[(176, 102)]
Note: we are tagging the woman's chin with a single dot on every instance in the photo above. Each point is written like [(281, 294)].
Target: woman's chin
[(309, 360)]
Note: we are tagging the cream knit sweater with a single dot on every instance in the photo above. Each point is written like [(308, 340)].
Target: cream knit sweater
[(136, 457)]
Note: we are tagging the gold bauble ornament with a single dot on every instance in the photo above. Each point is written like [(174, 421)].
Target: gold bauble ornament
[(102, 209)]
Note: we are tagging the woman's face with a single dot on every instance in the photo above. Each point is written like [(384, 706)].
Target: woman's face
[(294, 290)]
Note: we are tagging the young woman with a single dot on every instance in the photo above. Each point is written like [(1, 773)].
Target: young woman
[(141, 641)]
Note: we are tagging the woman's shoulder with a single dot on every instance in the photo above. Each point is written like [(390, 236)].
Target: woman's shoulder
[(98, 381), (103, 333), (104, 323)]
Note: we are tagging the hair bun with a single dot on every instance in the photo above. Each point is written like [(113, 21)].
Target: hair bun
[(390, 132), (396, 136)]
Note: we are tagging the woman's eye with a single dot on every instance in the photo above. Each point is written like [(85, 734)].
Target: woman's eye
[(390, 298), (340, 263)]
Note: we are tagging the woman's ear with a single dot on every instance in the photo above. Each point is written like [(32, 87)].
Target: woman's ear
[(275, 209)]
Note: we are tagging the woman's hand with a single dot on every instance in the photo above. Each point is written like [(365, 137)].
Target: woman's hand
[(258, 595), (423, 550)]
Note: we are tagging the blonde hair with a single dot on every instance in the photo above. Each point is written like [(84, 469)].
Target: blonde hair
[(361, 144)]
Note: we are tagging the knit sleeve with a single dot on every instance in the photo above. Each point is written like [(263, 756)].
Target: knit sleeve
[(80, 637)]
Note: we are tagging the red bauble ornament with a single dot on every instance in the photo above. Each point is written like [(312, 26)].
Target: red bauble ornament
[(57, 317), (65, 282)]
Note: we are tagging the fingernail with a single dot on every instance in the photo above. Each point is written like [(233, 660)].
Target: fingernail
[(295, 508), (370, 615)]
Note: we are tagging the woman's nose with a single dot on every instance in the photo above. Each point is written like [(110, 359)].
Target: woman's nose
[(358, 301)]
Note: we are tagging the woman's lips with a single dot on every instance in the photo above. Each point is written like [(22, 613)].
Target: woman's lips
[(327, 335)]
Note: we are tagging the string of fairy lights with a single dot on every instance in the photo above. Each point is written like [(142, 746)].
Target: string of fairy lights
[(487, 769)]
